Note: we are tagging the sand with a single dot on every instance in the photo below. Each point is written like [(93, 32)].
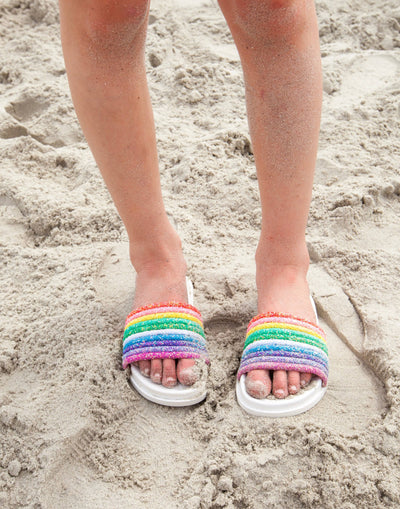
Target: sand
[(73, 434)]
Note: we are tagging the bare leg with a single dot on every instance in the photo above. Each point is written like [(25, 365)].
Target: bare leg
[(103, 44), (279, 48)]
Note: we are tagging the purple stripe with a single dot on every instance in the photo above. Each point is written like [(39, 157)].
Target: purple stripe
[(163, 355)]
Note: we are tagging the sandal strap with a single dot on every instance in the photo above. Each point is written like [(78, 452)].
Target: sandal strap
[(171, 330), (285, 342)]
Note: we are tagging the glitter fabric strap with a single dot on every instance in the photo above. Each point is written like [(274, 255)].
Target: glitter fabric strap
[(283, 342), (164, 331)]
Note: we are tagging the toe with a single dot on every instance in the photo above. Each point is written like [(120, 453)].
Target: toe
[(258, 383), (280, 384), (156, 370), (293, 382), (305, 379), (144, 367), (186, 372), (169, 372)]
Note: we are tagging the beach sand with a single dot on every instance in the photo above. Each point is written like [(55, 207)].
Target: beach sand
[(73, 434)]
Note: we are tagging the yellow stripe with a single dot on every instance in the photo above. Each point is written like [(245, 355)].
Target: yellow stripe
[(279, 325), (164, 315)]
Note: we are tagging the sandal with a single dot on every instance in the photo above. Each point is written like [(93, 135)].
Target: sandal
[(171, 330), (277, 341)]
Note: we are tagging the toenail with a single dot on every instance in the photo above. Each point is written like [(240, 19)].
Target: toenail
[(188, 376), (292, 388), (170, 381), (146, 372), (303, 383), (279, 393), (257, 389), (156, 377)]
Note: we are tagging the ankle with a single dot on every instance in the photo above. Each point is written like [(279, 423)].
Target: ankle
[(158, 254), (160, 271), (282, 283), (280, 259)]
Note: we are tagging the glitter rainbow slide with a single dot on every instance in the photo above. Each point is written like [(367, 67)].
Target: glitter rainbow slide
[(277, 341), (171, 330), (164, 331)]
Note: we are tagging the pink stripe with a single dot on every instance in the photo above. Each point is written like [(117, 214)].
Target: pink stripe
[(153, 311)]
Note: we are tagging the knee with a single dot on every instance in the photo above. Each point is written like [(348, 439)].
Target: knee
[(271, 20), (114, 25)]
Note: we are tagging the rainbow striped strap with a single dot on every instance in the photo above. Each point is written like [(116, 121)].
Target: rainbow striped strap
[(279, 341), (164, 331)]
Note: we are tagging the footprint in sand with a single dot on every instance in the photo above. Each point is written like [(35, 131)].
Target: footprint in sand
[(35, 114), (106, 463), (73, 482), (26, 106), (113, 445), (364, 76), (328, 172)]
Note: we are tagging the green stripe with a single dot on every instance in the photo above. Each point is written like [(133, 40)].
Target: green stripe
[(286, 334), (164, 323)]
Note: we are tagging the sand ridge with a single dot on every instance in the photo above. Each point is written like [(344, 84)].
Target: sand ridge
[(73, 433)]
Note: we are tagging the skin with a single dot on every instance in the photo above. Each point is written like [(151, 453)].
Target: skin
[(278, 45), (103, 43)]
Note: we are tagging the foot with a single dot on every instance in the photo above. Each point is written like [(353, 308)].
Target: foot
[(164, 282), (281, 289)]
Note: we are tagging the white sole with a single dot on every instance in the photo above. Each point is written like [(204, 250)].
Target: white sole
[(178, 396), (292, 405)]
